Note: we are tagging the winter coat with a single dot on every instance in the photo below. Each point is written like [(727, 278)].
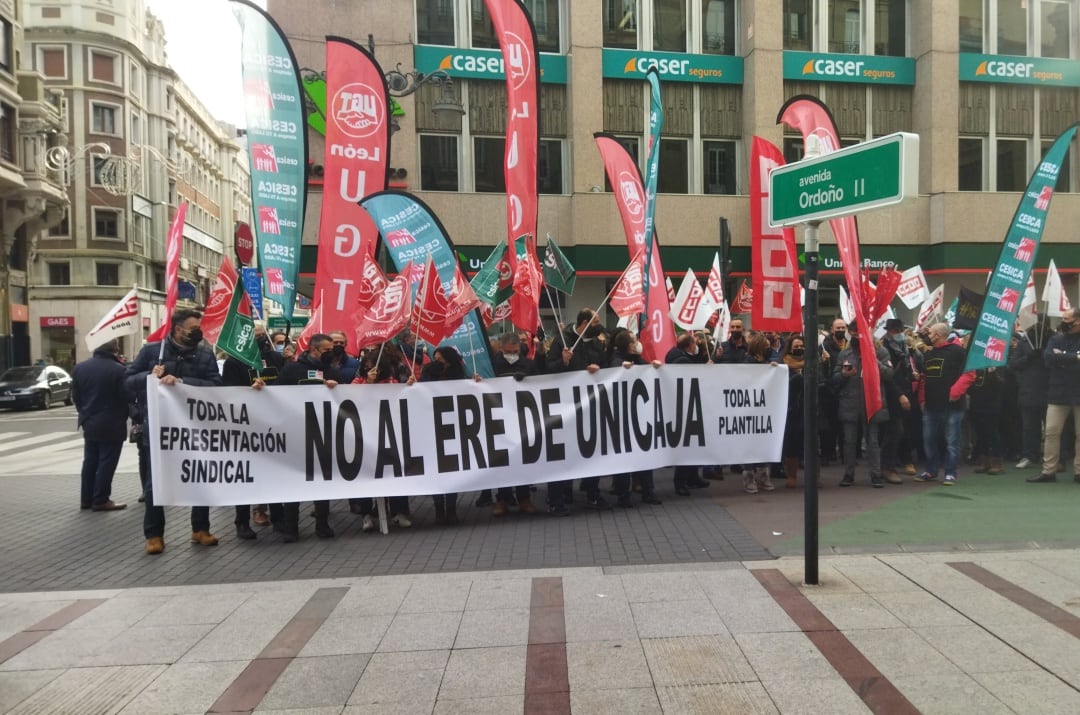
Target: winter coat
[(1062, 358), (1026, 363), (987, 392), (195, 366), (99, 391), (305, 371), (587, 352), (851, 403)]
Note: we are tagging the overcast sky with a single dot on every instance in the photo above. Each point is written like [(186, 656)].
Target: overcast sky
[(203, 46)]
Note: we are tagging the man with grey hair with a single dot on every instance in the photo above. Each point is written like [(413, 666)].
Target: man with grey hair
[(1062, 359), (101, 398)]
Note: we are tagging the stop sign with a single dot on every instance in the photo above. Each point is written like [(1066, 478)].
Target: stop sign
[(245, 243)]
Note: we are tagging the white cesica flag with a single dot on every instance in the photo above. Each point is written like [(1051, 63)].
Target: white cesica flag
[(1054, 293), (122, 318)]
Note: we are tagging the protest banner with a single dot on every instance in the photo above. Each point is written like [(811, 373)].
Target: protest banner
[(235, 445)]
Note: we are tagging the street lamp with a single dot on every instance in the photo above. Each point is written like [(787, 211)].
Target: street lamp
[(402, 84)]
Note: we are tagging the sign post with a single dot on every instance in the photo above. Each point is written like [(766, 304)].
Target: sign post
[(877, 173)]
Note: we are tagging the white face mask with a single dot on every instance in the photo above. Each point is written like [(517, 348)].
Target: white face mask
[(637, 348), (511, 357)]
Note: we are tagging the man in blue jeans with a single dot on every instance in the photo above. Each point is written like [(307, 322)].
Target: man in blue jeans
[(944, 385)]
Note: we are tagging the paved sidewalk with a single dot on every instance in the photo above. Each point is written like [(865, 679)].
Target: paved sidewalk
[(895, 633)]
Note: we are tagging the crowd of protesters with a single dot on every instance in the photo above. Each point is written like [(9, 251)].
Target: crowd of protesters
[(934, 414)]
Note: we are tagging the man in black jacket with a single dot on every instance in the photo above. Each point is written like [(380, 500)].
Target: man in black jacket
[(1062, 359), (235, 373), (312, 367), (99, 394), (1026, 364), (513, 361), (183, 358), (580, 347), (689, 350)]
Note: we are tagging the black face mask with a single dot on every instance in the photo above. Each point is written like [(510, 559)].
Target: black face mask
[(327, 358), (1065, 327), (339, 351), (839, 335), (736, 335), (193, 337), (798, 352), (593, 331)]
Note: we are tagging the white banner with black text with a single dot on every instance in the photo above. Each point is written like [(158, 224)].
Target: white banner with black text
[(218, 446)]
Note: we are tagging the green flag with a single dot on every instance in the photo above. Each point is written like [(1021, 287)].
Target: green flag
[(490, 284), (558, 272), (237, 337)]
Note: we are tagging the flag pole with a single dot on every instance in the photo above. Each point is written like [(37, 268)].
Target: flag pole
[(420, 314), (608, 296)]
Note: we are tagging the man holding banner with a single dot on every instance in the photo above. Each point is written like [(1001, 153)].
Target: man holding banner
[(181, 357)]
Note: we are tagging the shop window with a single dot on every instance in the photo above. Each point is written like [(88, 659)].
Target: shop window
[(106, 223), (970, 170), (438, 162), (1012, 164)]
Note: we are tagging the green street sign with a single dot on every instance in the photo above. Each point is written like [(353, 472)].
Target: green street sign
[(857, 178), (298, 321)]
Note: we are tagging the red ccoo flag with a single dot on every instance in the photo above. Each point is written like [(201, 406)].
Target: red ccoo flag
[(173, 244)]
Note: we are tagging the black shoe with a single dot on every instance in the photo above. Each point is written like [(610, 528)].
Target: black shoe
[(484, 499), (243, 531), (624, 501), (847, 481), (597, 504), (323, 530), (85, 505), (290, 537), (1042, 478), (877, 483), (558, 511), (698, 484), (651, 499), (682, 490)]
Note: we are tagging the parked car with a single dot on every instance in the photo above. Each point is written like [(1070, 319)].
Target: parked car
[(36, 386)]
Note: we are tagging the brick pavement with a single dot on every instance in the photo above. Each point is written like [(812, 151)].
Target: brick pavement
[(49, 544)]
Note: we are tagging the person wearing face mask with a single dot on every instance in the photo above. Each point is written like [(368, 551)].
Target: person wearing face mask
[(181, 358), (733, 350), (312, 367), (345, 364), (1062, 359), (512, 360), (235, 373), (944, 385), (832, 435), (626, 352), (895, 448), (688, 350), (847, 379), (579, 347), (1025, 362), (794, 356)]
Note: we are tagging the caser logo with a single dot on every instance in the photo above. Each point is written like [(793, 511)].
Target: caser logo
[(359, 111), (1004, 68)]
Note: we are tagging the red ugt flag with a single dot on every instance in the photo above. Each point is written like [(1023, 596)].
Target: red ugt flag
[(173, 244)]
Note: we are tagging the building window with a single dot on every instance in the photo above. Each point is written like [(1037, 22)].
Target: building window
[(435, 21), (970, 174), (106, 223), (719, 165), (1064, 180), (620, 24), (1055, 23), (846, 26), (52, 62), (719, 28), (1012, 164), (798, 25), (61, 229), (108, 274), (8, 122), (489, 176), (438, 162), (135, 80), (7, 49), (669, 25), (103, 67), (674, 168), (136, 129), (98, 165), (103, 119), (59, 274), (971, 25), (1012, 27)]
